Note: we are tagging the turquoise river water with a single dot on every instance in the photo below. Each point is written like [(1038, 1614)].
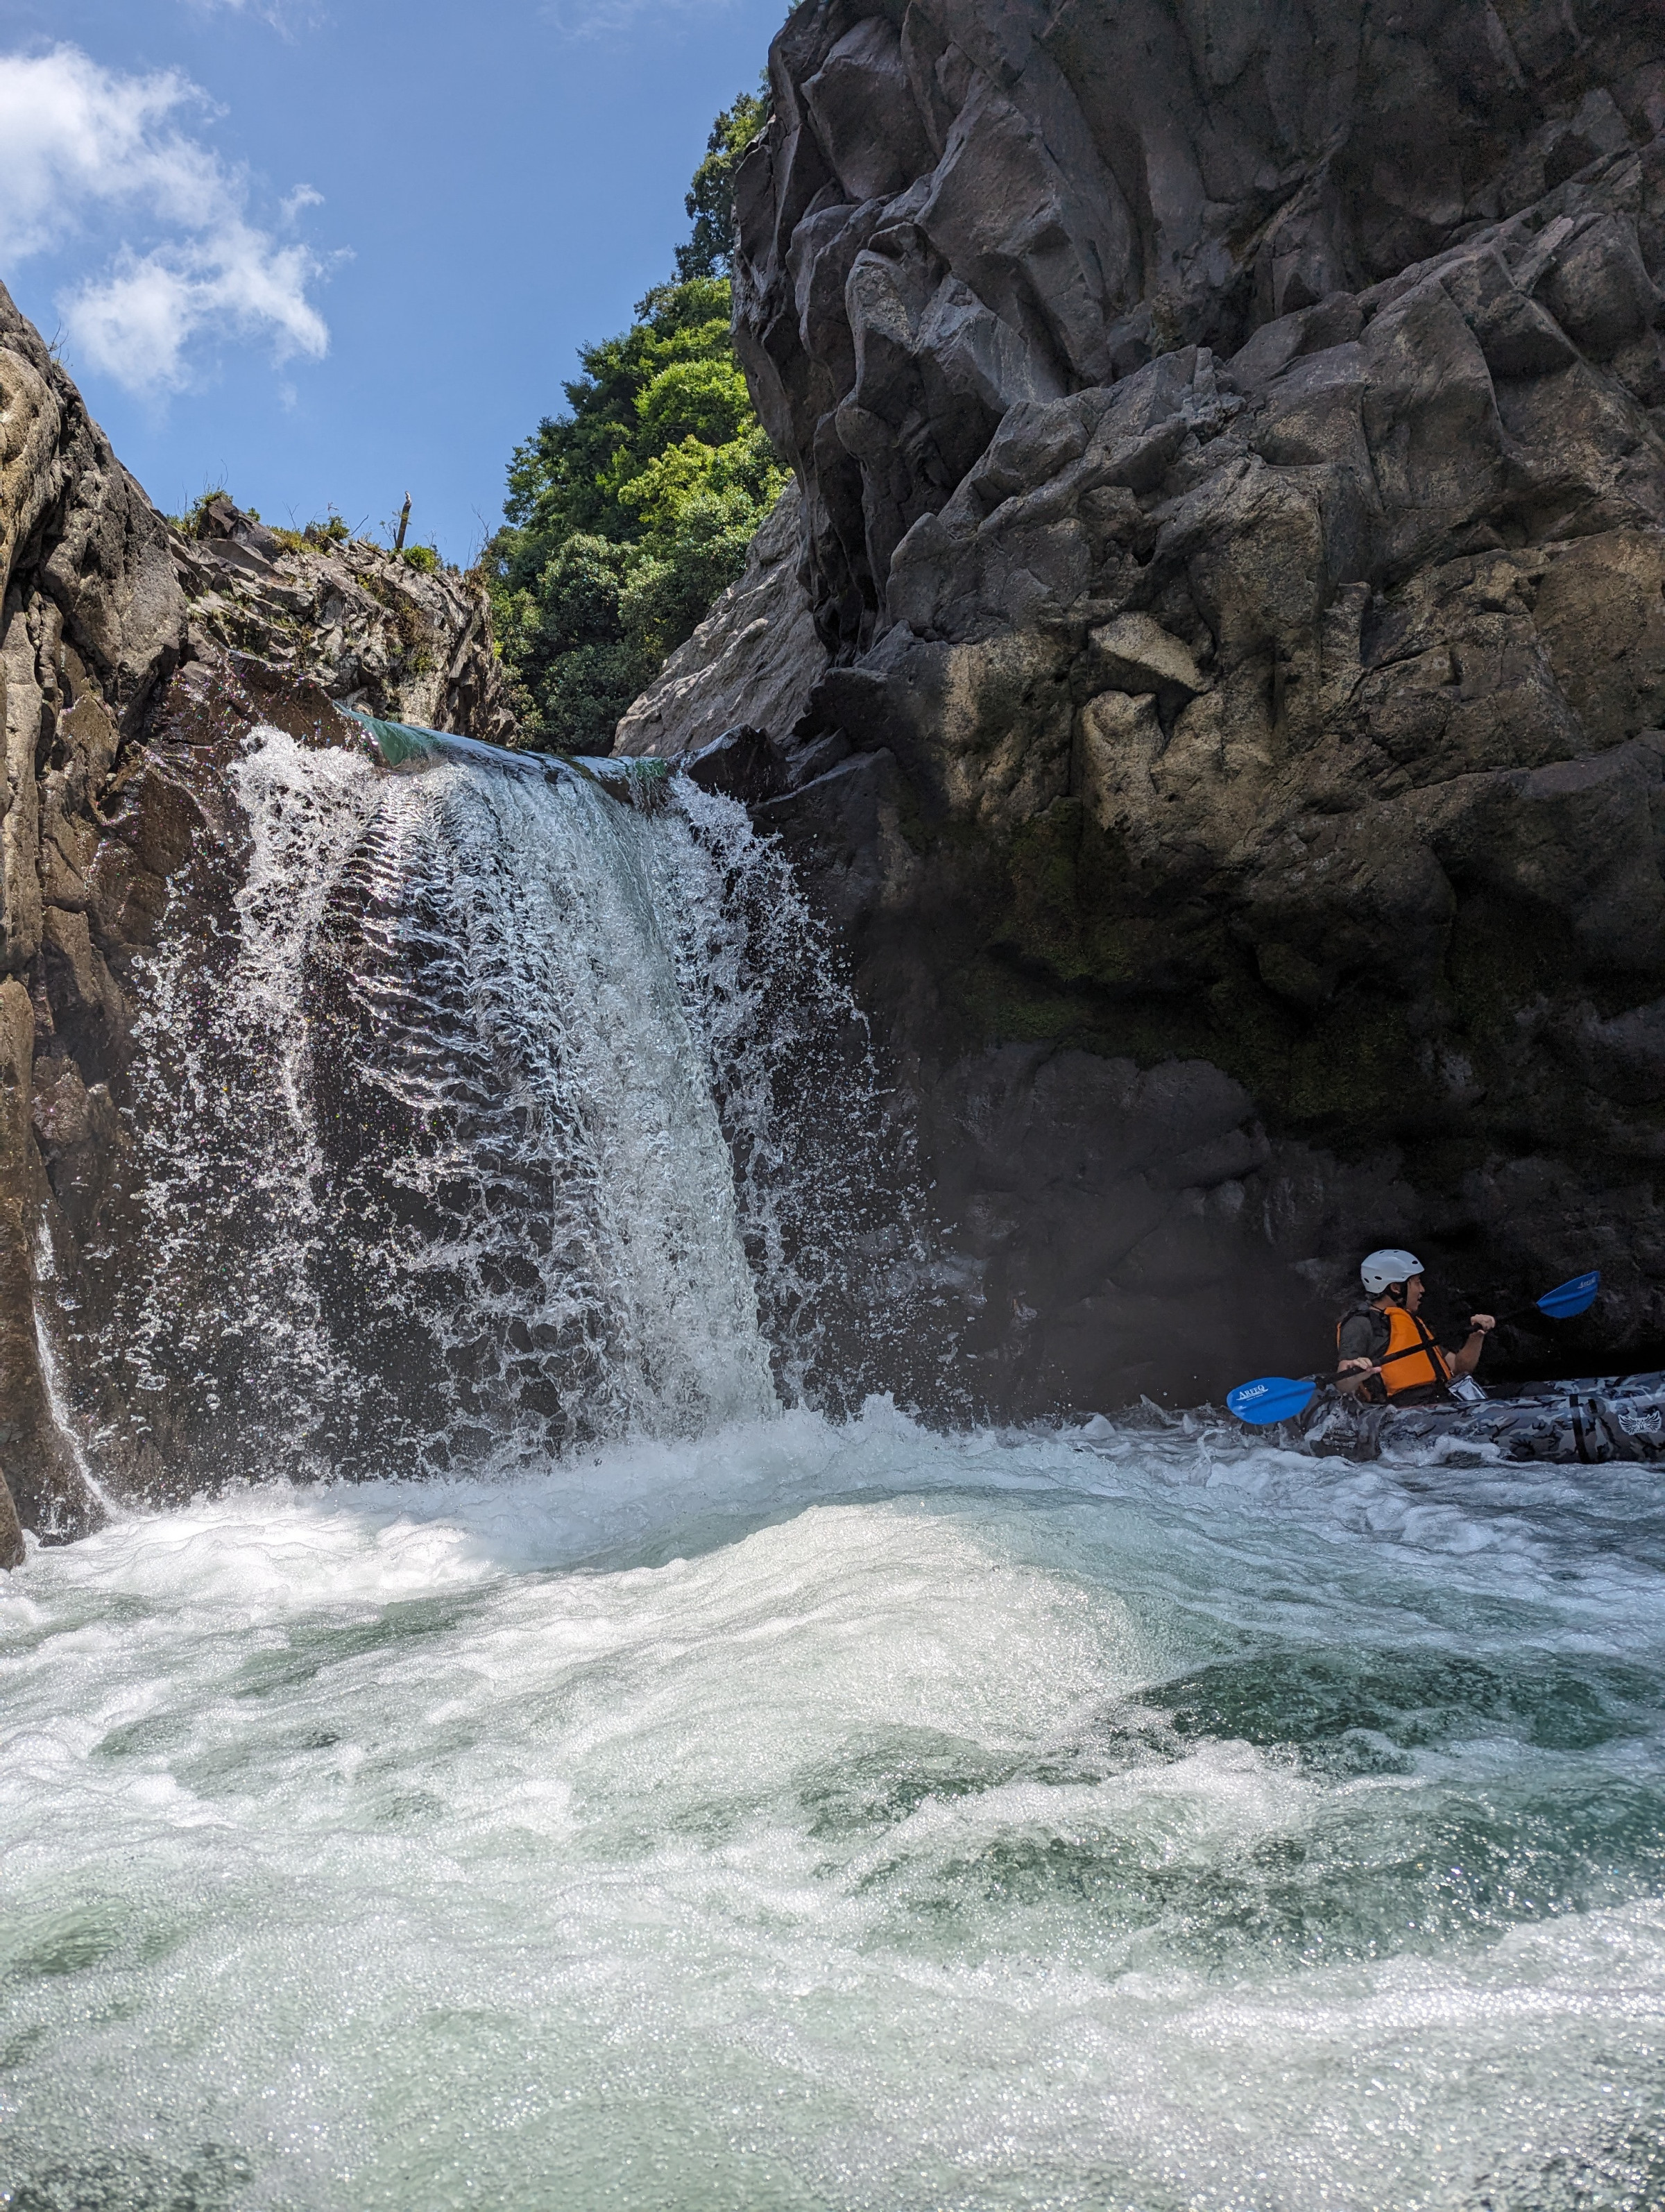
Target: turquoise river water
[(845, 1817), (632, 1795)]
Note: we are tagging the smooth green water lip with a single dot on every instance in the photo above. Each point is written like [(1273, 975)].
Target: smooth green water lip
[(1302, 1696)]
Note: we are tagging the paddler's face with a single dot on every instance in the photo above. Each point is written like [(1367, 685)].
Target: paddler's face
[(1413, 1294)]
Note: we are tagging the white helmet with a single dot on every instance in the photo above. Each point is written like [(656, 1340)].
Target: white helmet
[(1388, 1266)]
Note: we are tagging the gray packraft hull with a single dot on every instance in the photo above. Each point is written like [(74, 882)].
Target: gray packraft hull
[(1586, 1421)]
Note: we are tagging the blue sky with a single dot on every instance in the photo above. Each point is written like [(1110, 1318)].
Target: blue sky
[(328, 251)]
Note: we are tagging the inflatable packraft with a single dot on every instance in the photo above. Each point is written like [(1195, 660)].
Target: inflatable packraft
[(1587, 1421)]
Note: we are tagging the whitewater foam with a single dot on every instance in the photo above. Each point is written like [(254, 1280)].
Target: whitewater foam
[(844, 1816), (472, 1118)]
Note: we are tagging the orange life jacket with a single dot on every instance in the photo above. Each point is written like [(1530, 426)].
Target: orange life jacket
[(1423, 1362)]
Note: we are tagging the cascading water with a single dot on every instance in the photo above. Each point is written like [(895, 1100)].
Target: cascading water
[(433, 1133), (676, 1803)]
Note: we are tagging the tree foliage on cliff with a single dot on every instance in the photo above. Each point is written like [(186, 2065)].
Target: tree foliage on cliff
[(628, 513), (710, 201)]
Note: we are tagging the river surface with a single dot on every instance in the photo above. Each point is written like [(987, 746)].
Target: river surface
[(635, 1791), (844, 1817)]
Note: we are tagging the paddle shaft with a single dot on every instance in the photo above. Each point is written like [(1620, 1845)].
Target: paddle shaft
[(1337, 1374), (1276, 1398)]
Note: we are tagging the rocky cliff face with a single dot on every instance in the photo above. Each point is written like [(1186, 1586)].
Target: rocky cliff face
[(1234, 519), (132, 664), (753, 662), (344, 617)]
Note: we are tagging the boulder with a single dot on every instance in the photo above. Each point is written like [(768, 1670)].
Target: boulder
[(743, 764)]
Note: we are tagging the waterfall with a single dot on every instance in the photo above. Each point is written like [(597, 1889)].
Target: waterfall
[(813, 1811), (458, 1132)]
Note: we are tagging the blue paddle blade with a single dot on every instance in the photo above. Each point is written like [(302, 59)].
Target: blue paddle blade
[(1272, 1398), (1574, 1297)]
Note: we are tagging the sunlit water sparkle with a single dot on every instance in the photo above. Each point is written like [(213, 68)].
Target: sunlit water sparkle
[(845, 1817), (789, 1815)]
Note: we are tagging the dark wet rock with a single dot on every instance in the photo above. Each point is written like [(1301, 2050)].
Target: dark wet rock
[(92, 623), (1234, 519), (743, 764), (11, 1535)]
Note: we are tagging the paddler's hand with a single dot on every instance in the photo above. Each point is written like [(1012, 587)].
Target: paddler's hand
[(1481, 1324), (1351, 1375)]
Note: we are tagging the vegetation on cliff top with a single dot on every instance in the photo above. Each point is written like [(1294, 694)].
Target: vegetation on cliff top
[(629, 513), (324, 534)]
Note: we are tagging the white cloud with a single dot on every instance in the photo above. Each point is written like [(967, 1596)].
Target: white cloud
[(280, 14), (137, 322), (602, 19), (80, 146)]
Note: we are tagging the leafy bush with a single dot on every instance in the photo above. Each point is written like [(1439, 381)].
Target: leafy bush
[(627, 515), (425, 559), (190, 523)]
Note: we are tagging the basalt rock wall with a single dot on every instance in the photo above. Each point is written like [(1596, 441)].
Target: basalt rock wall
[(133, 662), (1233, 524)]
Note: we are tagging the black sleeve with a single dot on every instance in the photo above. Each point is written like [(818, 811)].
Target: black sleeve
[(1362, 1336)]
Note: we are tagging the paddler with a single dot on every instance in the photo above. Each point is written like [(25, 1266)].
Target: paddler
[(1388, 1352)]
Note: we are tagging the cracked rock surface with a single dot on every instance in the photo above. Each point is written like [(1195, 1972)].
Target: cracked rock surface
[(363, 626), (1234, 524)]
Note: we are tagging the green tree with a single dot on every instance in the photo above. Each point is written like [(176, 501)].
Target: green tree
[(628, 513), (710, 201)]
